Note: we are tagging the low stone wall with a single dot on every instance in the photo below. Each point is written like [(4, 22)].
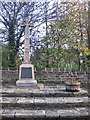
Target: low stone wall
[(9, 76), (47, 75), (60, 76)]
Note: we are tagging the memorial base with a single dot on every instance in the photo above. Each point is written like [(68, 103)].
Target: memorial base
[(29, 82), (26, 76)]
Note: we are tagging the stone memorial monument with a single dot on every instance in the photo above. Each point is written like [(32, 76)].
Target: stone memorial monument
[(26, 71)]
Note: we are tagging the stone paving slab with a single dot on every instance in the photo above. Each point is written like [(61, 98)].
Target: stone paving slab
[(0, 99), (9, 100), (41, 100), (44, 99), (44, 102), (25, 100), (83, 110), (36, 90), (23, 113), (8, 113), (52, 100), (75, 99), (46, 91), (1, 111), (69, 113), (29, 113), (51, 113)]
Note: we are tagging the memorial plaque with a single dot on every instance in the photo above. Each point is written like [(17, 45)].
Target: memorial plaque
[(26, 72)]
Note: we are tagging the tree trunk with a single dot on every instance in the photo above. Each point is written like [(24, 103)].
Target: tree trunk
[(11, 45)]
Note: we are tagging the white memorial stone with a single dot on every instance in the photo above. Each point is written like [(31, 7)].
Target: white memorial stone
[(26, 72)]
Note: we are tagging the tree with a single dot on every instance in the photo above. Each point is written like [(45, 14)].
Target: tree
[(87, 50), (67, 36), (5, 53), (63, 23), (12, 15)]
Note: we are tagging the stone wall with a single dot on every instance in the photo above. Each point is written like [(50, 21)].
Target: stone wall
[(48, 75), (9, 76)]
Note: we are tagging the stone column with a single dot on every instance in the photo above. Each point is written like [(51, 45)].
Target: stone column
[(27, 43)]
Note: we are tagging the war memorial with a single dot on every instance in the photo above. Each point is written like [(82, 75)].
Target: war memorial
[(30, 99)]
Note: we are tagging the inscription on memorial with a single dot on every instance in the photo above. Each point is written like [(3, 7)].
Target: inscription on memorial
[(26, 72)]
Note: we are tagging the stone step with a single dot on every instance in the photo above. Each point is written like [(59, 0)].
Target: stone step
[(46, 113), (46, 91), (44, 102)]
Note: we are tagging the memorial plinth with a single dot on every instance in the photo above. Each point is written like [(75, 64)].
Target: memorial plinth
[(26, 71), (26, 76)]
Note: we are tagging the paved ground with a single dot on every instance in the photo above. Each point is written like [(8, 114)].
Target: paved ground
[(41, 90), (43, 102)]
